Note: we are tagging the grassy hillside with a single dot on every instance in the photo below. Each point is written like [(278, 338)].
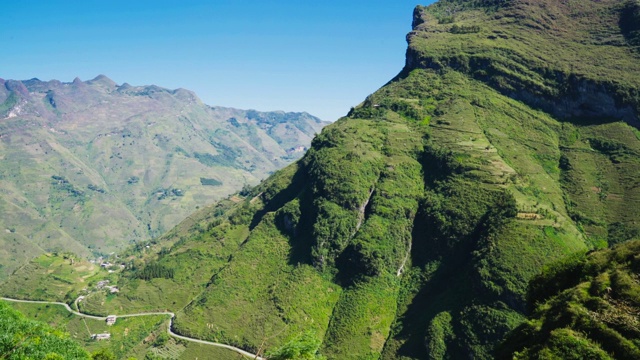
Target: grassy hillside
[(130, 337), (138, 338), (90, 167), (412, 226), (54, 277), (585, 307), (21, 338)]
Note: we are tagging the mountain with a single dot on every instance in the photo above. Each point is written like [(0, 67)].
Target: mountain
[(585, 307), (90, 167), (412, 226)]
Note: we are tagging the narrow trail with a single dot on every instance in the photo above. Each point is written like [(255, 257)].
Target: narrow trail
[(103, 318), (404, 262)]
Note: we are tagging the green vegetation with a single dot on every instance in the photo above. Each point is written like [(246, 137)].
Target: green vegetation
[(137, 338), (154, 271), (455, 29), (53, 277), (302, 347), (412, 227), (584, 307), (62, 184), (129, 336), (199, 351), (9, 102), (227, 158), (210, 182), (138, 168), (21, 338)]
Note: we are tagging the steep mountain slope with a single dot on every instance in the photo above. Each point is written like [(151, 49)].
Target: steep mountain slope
[(90, 166), (412, 226), (586, 307), (21, 338)]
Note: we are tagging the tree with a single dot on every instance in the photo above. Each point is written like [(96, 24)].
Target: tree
[(103, 354), (161, 340), (302, 347)]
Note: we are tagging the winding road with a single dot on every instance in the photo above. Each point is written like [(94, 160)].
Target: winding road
[(69, 309)]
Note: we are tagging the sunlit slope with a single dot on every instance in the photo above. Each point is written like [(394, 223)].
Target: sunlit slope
[(91, 166), (21, 338), (411, 228), (583, 307)]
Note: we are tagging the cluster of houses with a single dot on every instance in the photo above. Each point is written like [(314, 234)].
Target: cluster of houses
[(103, 285), (296, 149), (111, 319), (105, 264), (109, 266)]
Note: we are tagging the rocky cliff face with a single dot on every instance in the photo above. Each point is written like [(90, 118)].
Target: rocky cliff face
[(550, 81)]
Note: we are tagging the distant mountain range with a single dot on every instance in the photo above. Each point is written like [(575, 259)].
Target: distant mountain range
[(90, 166)]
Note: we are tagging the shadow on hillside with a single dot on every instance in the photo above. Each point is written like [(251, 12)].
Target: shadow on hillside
[(300, 238), (436, 295), (630, 23), (281, 197), (297, 233)]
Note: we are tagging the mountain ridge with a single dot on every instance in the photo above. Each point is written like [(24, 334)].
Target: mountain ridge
[(412, 227), (133, 152), (620, 101)]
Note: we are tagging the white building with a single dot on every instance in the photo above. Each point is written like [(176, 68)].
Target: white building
[(105, 336)]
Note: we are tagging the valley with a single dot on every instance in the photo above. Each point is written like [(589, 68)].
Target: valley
[(172, 315), (482, 204), (91, 167)]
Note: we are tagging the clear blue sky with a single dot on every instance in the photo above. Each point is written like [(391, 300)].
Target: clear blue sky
[(317, 56)]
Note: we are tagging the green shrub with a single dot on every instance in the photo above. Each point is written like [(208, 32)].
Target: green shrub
[(439, 333), (210, 182), (21, 338), (301, 347), (154, 270), (464, 29)]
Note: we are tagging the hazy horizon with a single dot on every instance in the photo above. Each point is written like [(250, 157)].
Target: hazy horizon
[(321, 58)]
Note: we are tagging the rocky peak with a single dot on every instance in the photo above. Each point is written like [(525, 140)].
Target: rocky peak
[(78, 84), (103, 81), (124, 87), (418, 17), (16, 86), (186, 95)]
